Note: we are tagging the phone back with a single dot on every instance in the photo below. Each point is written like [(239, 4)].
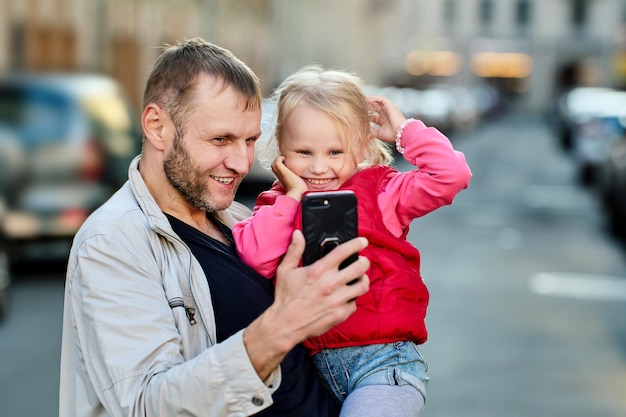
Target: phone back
[(328, 219)]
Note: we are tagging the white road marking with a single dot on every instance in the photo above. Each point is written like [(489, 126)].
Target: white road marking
[(581, 286)]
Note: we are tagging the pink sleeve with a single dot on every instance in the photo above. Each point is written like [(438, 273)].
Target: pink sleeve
[(441, 173), (262, 239)]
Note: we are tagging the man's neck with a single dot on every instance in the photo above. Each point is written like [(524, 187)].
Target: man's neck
[(171, 202)]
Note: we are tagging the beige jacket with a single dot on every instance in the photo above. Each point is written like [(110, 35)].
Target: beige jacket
[(138, 324)]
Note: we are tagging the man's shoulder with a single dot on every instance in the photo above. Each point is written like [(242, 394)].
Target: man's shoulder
[(120, 212)]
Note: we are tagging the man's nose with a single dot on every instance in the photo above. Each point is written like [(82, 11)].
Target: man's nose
[(240, 158)]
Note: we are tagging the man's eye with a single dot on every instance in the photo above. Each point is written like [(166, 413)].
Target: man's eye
[(251, 141), (219, 140)]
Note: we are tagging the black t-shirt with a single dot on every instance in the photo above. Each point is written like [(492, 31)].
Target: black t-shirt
[(239, 296)]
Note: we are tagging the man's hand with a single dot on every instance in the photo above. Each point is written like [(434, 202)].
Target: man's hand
[(308, 301)]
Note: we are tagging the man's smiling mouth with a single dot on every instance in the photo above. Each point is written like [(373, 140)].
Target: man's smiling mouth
[(223, 180)]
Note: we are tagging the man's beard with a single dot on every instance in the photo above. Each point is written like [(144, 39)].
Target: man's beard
[(189, 180)]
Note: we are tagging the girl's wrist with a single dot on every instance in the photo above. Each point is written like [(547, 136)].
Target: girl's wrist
[(399, 133), (295, 194)]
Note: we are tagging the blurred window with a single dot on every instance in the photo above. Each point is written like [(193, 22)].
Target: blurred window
[(579, 13), (17, 46), (377, 6), (449, 12), (10, 106), (38, 116), (486, 14), (522, 14)]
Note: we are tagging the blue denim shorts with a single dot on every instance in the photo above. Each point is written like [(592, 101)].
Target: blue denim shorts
[(345, 369)]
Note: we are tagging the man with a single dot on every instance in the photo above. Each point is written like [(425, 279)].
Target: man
[(161, 317)]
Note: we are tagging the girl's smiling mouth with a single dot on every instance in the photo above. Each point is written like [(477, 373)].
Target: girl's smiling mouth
[(318, 181)]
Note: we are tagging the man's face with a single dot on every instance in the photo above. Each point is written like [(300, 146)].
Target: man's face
[(216, 151)]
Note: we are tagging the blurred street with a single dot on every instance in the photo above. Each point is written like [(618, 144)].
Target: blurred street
[(528, 299), (521, 320)]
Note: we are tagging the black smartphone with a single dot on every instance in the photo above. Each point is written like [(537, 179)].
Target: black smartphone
[(329, 218)]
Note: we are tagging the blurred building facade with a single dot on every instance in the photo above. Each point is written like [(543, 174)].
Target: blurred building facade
[(529, 49)]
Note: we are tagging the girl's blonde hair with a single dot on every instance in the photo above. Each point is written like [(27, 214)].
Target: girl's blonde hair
[(340, 95)]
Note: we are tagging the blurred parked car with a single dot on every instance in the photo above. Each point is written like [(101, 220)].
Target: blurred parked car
[(612, 186), (464, 110), (593, 132), (65, 145), (573, 107)]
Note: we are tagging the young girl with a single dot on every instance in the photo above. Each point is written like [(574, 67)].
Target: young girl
[(329, 137)]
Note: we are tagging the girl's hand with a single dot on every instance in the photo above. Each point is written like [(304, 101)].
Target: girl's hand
[(294, 186), (386, 116)]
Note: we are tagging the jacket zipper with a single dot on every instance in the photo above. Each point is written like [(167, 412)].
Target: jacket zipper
[(190, 312)]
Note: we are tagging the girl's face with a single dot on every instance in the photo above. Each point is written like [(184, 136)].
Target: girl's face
[(314, 150)]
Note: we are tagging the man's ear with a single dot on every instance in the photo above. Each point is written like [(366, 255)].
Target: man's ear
[(152, 122)]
